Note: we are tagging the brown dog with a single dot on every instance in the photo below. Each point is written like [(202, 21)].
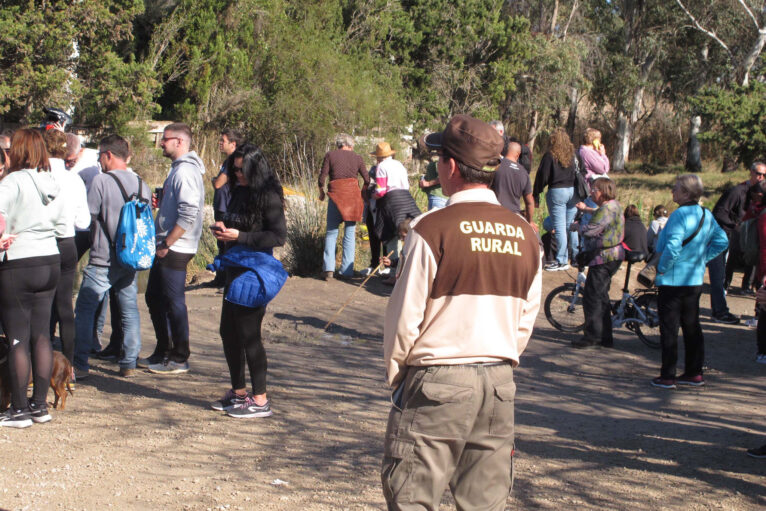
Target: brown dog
[(62, 371)]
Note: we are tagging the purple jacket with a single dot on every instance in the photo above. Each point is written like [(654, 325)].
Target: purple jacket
[(596, 164)]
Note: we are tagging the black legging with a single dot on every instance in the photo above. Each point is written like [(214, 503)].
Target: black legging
[(241, 335), (26, 295), (63, 311)]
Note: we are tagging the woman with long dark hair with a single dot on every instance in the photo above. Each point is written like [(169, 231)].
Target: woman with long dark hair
[(29, 272), (255, 220), (557, 173)]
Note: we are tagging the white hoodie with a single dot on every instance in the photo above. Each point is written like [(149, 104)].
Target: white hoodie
[(30, 211)]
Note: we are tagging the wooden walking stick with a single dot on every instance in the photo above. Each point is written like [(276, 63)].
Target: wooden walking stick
[(373, 272)]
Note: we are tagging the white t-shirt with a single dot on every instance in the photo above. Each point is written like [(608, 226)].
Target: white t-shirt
[(74, 210), (390, 175)]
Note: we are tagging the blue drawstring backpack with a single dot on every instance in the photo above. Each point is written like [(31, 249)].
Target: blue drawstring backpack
[(134, 242)]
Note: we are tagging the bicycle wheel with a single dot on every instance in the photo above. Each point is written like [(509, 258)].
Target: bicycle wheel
[(564, 310), (648, 332)]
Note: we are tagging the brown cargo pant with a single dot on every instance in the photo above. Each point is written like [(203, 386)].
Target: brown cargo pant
[(455, 427)]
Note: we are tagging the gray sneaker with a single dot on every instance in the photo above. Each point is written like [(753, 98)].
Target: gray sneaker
[(249, 410), (169, 367), (228, 401)]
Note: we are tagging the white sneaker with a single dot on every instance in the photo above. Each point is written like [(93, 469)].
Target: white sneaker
[(760, 358), (366, 272), (384, 272), (752, 322)]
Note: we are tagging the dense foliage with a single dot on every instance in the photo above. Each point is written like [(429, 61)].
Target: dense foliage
[(292, 74)]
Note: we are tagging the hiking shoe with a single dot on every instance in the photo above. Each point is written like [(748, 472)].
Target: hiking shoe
[(127, 372), (228, 401), (757, 452), (727, 318), (663, 383), (144, 363), (694, 381), (81, 374), (169, 367), (249, 410), (15, 418), (39, 413), (760, 358)]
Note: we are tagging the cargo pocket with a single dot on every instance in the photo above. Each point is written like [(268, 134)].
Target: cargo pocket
[(396, 470), (442, 409), (502, 410)]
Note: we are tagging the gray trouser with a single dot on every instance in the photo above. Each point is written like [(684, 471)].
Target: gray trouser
[(455, 427)]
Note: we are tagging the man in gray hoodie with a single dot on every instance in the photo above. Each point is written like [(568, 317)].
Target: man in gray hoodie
[(179, 227)]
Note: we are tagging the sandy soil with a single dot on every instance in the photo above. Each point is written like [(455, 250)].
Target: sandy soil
[(591, 432)]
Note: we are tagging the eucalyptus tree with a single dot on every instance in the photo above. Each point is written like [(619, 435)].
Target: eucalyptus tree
[(635, 37), (74, 55), (735, 32)]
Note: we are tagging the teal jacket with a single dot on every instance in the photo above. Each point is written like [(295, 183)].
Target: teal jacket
[(685, 265)]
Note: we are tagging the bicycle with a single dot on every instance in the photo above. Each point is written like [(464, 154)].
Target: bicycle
[(636, 311)]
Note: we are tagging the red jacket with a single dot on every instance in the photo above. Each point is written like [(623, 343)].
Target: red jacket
[(752, 212)]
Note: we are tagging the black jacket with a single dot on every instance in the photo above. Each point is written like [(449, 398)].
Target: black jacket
[(553, 175), (635, 235), (391, 209), (730, 208)]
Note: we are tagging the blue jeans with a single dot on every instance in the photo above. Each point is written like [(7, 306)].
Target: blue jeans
[(166, 299), (716, 268), (96, 282), (349, 239), (561, 208), (436, 202)]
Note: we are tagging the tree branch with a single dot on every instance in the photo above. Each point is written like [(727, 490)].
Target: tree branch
[(702, 29), (749, 13), (571, 15)]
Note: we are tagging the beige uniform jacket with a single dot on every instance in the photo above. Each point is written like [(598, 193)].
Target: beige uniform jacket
[(469, 289)]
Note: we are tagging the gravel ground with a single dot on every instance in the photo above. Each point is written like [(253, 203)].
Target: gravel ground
[(591, 433)]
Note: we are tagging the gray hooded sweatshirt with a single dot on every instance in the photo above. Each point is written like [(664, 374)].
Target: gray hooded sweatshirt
[(182, 203), (27, 201)]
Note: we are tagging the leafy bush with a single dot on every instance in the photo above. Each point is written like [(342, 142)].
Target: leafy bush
[(736, 119)]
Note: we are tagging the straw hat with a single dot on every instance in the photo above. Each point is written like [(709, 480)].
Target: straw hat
[(383, 150)]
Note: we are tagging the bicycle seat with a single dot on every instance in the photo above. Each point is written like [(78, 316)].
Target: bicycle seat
[(634, 256)]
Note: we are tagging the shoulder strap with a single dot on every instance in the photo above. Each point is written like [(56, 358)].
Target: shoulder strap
[(696, 231), (122, 188), (124, 198)]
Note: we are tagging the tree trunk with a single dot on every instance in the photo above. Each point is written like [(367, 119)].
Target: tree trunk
[(751, 57), (693, 151), (554, 16), (574, 99), (532, 131), (622, 144)]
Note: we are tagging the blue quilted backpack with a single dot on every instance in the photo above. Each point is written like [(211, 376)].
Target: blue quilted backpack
[(134, 242)]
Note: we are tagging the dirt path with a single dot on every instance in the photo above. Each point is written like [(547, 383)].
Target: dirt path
[(591, 432)]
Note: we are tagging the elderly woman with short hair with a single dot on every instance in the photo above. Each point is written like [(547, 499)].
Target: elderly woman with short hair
[(603, 253), (690, 239)]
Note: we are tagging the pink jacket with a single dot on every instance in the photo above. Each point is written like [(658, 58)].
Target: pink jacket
[(596, 164)]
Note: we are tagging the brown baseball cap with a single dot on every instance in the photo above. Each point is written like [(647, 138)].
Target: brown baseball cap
[(470, 141)]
